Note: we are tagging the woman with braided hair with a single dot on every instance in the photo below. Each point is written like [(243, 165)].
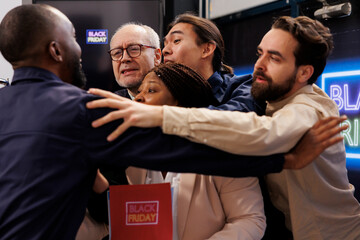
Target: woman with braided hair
[(204, 207), (184, 86)]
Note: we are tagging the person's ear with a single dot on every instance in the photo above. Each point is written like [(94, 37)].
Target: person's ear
[(208, 49), (55, 51), (304, 73), (157, 57)]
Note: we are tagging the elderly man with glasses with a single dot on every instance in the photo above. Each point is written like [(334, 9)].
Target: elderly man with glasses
[(134, 50)]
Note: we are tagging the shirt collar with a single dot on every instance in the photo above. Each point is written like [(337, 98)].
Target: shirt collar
[(26, 73), (274, 106), (216, 82), (131, 96)]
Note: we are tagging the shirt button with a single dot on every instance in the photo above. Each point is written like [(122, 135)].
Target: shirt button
[(205, 140)]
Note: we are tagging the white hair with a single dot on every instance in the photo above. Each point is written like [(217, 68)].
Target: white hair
[(153, 37)]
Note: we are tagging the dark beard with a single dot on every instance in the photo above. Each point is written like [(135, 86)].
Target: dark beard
[(79, 78), (270, 92)]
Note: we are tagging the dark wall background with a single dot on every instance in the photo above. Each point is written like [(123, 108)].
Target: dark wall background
[(242, 35), (176, 7)]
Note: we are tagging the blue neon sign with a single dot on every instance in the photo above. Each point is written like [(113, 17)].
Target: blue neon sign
[(344, 88)]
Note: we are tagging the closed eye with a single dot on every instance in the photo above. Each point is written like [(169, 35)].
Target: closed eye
[(275, 58)]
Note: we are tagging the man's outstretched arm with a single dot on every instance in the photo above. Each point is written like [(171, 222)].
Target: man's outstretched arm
[(322, 135)]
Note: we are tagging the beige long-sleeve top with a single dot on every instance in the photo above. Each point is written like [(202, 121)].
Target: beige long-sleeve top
[(318, 201)]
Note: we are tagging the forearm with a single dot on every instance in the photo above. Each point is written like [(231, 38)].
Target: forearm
[(149, 148), (245, 229), (236, 132), (154, 115)]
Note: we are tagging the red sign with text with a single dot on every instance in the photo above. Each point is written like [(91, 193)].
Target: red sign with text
[(140, 212)]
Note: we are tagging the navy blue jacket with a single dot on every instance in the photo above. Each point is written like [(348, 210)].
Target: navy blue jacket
[(233, 93), (49, 153), (123, 93)]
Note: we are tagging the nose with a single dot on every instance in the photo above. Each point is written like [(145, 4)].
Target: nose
[(125, 57), (140, 98), (260, 63), (166, 50)]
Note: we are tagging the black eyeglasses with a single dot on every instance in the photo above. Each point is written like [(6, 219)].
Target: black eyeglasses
[(134, 50)]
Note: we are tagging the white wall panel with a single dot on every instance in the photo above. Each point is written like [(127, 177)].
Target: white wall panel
[(219, 8)]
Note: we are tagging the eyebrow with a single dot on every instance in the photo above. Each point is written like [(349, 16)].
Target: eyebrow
[(152, 81), (155, 81), (174, 32), (273, 52)]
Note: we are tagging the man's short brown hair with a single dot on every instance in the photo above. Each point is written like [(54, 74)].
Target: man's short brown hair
[(315, 42)]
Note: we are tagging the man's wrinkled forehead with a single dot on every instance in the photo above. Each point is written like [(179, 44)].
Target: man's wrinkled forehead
[(130, 35)]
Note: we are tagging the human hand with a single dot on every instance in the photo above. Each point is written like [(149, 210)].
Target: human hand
[(321, 136), (100, 184), (134, 114)]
